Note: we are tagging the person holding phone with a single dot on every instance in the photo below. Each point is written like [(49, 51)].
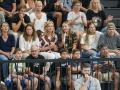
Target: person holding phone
[(87, 82)]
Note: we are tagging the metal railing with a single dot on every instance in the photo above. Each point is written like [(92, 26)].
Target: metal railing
[(107, 84)]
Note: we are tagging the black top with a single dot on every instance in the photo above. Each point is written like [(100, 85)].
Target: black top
[(50, 6), (76, 65), (7, 4), (63, 69), (16, 19), (100, 17), (85, 3), (8, 44), (70, 39), (36, 67)]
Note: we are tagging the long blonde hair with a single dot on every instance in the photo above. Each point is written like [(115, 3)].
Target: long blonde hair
[(100, 6), (66, 22), (46, 25)]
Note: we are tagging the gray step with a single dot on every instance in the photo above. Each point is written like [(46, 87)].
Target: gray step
[(110, 3), (117, 22), (115, 12)]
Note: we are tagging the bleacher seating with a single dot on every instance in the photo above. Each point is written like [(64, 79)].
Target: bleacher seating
[(115, 12), (110, 3), (118, 29), (117, 22), (111, 8)]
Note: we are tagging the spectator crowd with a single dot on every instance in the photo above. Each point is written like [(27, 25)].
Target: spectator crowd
[(57, 29)]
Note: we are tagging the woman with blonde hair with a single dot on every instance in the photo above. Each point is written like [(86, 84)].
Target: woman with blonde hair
[(50, 29), (48, 40), (97, 15), (99, 5), (67, 39)]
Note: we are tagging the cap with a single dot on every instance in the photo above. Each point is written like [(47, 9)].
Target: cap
[(111, 25)]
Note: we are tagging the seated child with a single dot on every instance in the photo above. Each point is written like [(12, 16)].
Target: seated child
[(17, 72)]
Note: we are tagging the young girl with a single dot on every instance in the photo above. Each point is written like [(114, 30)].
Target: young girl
[(67, 39)]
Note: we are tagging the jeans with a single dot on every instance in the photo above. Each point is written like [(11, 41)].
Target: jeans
[(87, 54), (2, 18), (4, 66)]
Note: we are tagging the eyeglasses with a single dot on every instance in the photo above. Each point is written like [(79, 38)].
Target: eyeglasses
[(34, 50), (77, 5)]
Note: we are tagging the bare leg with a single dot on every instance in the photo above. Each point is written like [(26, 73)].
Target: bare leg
[(34, 83), (58, 15), (70, 83), (58, 82), (28, 84), (115, 77), (47, 83), (17, 82)]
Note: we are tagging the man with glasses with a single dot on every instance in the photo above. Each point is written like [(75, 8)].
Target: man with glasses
[(38, 70)]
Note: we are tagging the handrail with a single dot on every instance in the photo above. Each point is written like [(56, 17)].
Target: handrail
[(61, 60)]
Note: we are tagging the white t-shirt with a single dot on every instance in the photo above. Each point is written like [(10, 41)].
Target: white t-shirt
[(79, 26), (39, 23), (92, 42), (26, 45)]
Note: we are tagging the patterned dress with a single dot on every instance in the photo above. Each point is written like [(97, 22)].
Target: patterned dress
[(68, 41)]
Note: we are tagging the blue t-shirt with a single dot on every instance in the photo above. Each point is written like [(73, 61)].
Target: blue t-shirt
[(7, 45), (7, 4)]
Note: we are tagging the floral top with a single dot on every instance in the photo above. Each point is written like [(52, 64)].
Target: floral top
[(68, 40), (46, 41)]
